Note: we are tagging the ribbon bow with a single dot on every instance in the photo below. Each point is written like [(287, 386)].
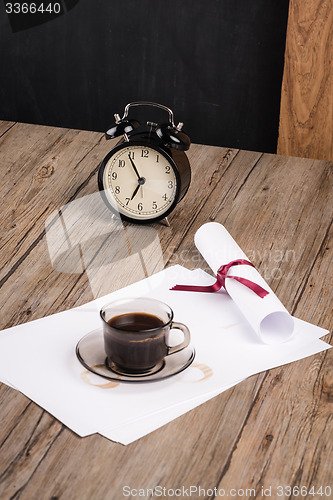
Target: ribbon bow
[(220, 281)]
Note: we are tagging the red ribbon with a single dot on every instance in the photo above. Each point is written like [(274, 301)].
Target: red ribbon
[(220, 281)]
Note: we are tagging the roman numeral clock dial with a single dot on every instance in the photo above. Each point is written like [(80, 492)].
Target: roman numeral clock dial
[(144, 177)]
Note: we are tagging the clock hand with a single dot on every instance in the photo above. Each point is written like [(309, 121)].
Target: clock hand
[(134, 167), (141, 182), (135, 191)]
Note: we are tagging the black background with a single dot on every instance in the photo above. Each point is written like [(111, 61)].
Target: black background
[(217, 63)]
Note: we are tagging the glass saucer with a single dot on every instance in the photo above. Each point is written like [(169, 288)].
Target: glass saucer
[(91, 354)]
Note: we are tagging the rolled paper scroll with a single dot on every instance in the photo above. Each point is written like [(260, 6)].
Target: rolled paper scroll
[(266, 314)]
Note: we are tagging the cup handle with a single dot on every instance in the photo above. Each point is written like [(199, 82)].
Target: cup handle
[(186, 341)]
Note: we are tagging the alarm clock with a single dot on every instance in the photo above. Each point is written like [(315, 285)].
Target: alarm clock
[(147, 173)]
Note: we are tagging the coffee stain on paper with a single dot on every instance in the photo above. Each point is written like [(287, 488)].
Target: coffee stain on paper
[(108, 385), (191, 375)]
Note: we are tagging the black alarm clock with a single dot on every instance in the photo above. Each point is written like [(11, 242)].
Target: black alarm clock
[(147, 173)]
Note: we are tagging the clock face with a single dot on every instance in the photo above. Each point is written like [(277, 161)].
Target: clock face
[(140, 182)]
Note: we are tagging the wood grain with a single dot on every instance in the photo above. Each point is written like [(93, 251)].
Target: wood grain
[(5, 126), (306, 117), (273, 428)]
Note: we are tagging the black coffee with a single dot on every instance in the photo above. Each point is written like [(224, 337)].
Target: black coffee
[(129, 344), (136, 321)]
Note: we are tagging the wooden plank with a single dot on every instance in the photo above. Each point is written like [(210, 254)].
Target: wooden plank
[(287, 438), (306, 116), (32, 436)]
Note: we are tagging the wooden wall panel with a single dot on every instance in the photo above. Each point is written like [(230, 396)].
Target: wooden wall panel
[(306, 116)]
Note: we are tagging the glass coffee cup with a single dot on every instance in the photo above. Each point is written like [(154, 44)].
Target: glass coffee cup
[(136, 333)]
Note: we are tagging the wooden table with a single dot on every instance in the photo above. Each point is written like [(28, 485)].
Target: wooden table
[(273, 430)]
